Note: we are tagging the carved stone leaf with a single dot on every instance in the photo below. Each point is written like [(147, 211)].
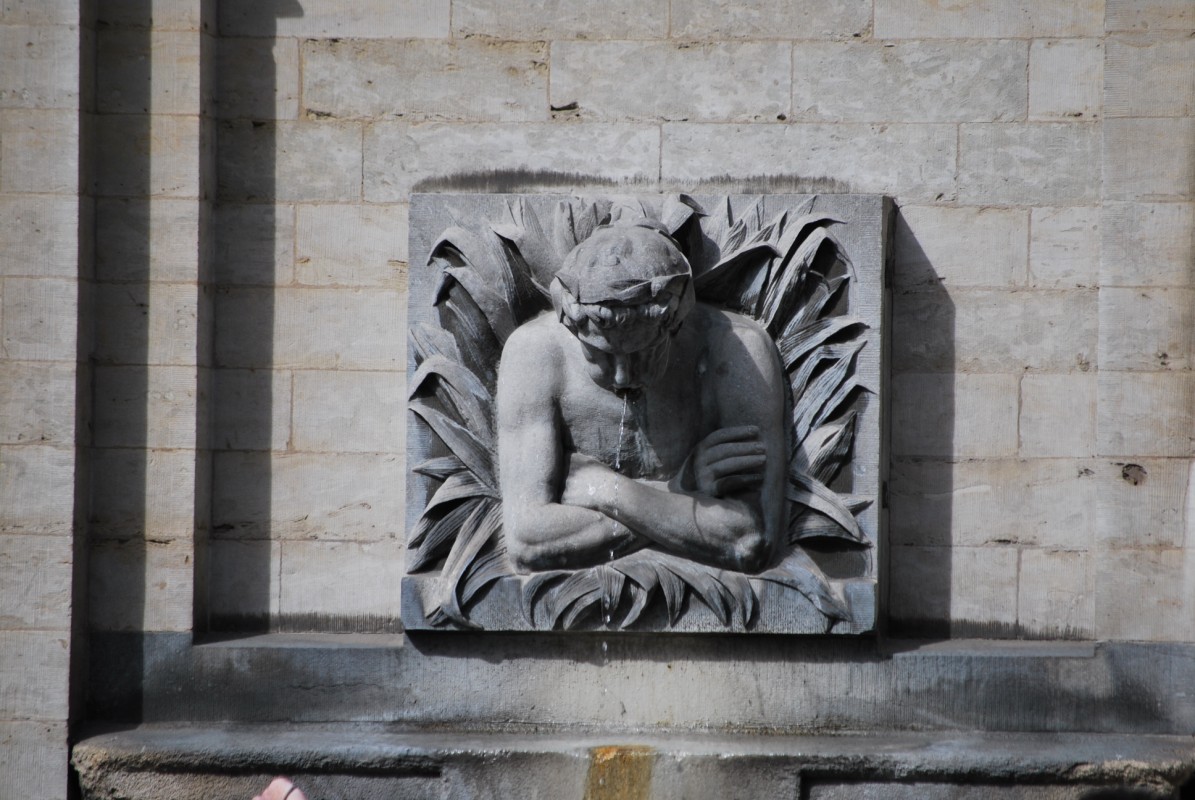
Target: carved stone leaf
[(575, 221), (498, 313), (489, 566), (526, 235), (439, 468), (429, 340), (479, 348), (434, 535), (821, 390), (458, 388), (475, 533), (533, 585), (798, 571), (698, 577), (461, 442), (578, 585), (739, 588), (798, 344), (640, 597), (828, 448), (612, 582), (814, 494), (677, 210)]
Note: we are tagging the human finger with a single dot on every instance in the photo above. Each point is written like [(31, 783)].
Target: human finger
[(736, 434), (733, 450), (736, 483), (740, 464)]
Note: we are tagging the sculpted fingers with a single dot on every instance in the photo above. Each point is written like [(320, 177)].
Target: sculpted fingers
[(736, 434)]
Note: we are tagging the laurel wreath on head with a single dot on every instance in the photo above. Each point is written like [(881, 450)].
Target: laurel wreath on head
[(789, 273)]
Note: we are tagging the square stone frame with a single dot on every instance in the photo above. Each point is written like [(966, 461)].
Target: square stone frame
[(864, 234)]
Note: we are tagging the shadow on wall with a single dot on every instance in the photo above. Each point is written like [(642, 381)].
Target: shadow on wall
[(921, 481)]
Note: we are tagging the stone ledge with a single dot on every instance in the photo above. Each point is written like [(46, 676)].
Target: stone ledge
[(365, 761)]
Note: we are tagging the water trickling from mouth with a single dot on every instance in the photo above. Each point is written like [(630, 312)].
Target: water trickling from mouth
[(622, 427)]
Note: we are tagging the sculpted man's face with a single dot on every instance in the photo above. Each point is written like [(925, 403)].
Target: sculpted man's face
[(623, 293)]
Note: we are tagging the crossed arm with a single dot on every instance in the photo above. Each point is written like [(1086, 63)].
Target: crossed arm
[(567, 510)]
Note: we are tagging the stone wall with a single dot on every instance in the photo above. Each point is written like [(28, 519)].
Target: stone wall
[(252, 164)]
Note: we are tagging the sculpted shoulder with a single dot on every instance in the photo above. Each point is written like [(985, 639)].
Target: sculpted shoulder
[(532, 352), (728, 333)]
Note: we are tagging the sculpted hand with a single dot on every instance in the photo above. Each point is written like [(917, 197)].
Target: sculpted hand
[(726, 461)]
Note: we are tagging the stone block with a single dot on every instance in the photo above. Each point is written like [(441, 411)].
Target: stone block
[(954, 415), (36, 574), (39, 152), (39, 12), (154, 323), (38, 319), (1064, 247), (382, 19), (161, 15), (1143, 505), (40, 236), (159, 155), (1056, 595), (924, 81), (1147, 244), (1036, 163), (426, 80), (142, 584), (1149, 76), (968, 503), (1146, 414), (551, 20), (147, 239), (154, 73), (914, 163), (38, 403), (1066, 79), (1147, 329), (351, 245), (330, 496), (289, 161), (972, 591), (1145, 595), (255, 244), (139, 406), (326, 328), (244, 579), (258, 79), (37, 484), (960, 246), (401, 158), (1058, 414), (138, 492), (33, 760), (1149, 159), (36, 666), (341, 579), (345, 411), (39, 66), (712, 20), (725, 81), (1002, 19), (985, 330), (1150, 15), (252, 409)]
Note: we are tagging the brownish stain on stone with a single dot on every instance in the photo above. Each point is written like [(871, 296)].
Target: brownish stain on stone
[(619, 773)]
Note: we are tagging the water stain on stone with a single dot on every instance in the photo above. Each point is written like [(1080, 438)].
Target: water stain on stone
[(1133, 473), (619, 773)]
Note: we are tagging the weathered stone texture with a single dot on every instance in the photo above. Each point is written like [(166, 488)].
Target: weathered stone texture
[(258, 79), (161, 155), (145, 492), (139, 406), (39, 236), (972, 590), (1056, 597), (770, 19), (32, 144), (1064, 247), (147, 74), (911, 162), (1145, 504), (351, 245), (38, 660), (31, 481), (1150, 15), (156, 238), (1146, 594), (1147, 244), (31, 327), (1066, 79), (37, 403), (29, 62), (142, 584), (329, 496), (1029, 163), (738, 82), (33, 760), (960, 246), (537, 20), (1149, 159), (154, 323), (383, 19), (345, 411), (954, 415), (289, 161), (426, 80), (401, 157), (244, 577), (254, 244), (1001, 19), (1058, 413), (36, 574), (353, 579), (162, 15), (981, 330), (1150, 76), (1147, 329), (909, 81), (1146, 414)]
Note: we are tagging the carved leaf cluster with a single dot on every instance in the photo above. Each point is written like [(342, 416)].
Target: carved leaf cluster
[(789, 273)]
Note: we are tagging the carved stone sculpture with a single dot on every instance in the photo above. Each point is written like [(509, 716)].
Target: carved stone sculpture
[(637, 411)]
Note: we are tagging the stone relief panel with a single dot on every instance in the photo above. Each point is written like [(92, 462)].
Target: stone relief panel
[(645, 413)]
